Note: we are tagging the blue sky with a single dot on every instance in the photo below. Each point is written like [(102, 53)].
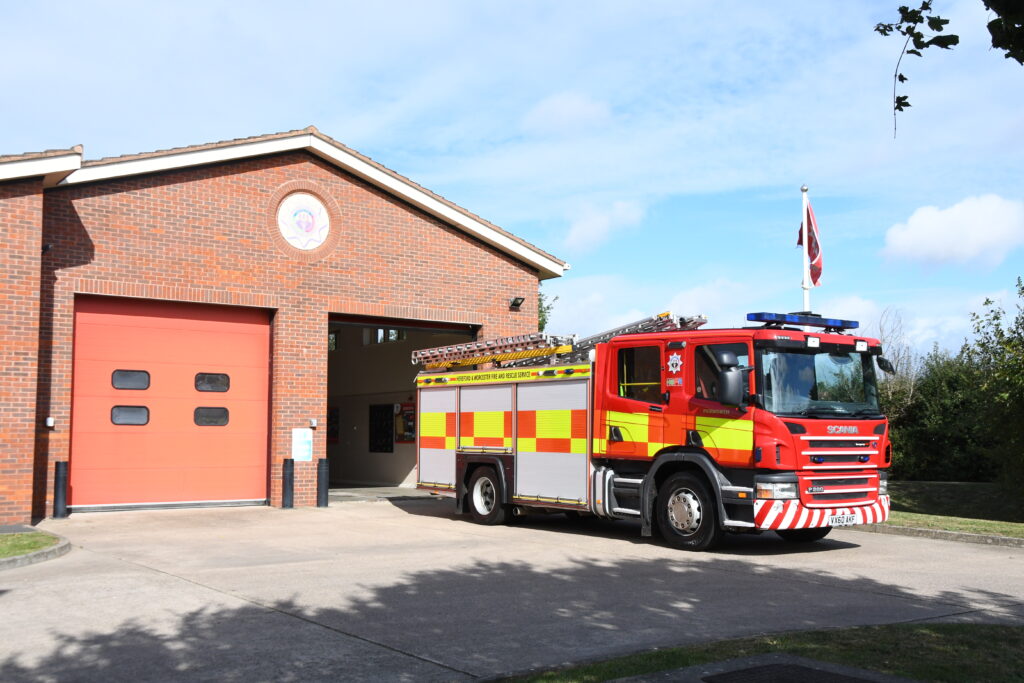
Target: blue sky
[(658, 147)]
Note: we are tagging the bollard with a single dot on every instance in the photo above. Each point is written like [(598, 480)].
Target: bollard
[(60, 490), (323, 474), (288, 484)]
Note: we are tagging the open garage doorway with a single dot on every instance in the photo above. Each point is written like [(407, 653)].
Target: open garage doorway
[(371, 429)]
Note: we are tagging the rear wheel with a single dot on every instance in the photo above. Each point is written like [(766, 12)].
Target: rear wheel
[(485, 506), (804, 535), (686, 513)]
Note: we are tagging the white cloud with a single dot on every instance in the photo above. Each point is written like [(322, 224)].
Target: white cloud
[(723, 301), (589, 304), (853, 307), (565, 112), (978, 229), (591, 227)]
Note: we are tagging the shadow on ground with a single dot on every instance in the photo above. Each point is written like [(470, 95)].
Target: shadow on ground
[(480, 619), (745, 544)]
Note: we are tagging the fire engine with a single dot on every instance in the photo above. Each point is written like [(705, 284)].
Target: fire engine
[(695, 432)]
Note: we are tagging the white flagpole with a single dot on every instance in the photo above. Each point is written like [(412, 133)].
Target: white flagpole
[(805, 253)]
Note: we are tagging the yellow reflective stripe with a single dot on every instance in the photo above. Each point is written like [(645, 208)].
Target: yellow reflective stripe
[(526, 445), (432, 424), (449, 443), (721, 433), (717, 422), (554, 424), (627, 418), (578, 446), (634, 426), (654, 448), (529, 374), (600, 446), (489, 423)]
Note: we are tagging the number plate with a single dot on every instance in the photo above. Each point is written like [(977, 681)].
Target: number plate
[(842, 520)]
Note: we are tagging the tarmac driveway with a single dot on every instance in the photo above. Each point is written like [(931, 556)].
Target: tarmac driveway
[(408, 591)]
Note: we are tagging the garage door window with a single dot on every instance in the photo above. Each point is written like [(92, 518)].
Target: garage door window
[(211, 417), (129, 415), (130, 379), (212, 381)]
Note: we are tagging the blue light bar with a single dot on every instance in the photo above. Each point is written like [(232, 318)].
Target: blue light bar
[(808, 320)]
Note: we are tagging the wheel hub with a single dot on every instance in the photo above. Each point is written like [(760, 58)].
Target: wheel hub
[(483, 496), (684, 511)]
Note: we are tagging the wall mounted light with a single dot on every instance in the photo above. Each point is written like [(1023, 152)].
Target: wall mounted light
[(515, 302)]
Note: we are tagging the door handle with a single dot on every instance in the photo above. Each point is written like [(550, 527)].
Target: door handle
[(656, 409), (615, 434)]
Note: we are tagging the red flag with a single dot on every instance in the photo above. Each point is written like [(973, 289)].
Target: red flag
[(813, 245)]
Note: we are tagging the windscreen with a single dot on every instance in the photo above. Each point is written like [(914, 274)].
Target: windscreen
[(813, 382)]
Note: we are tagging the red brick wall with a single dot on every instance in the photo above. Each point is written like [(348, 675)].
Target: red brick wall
[(21, 212), (207, 235)]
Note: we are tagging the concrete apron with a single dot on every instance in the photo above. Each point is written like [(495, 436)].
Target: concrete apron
[(407, 590)]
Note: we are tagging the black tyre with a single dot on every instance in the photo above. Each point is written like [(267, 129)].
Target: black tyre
[(804, 535), (485, 506), (687, 514)]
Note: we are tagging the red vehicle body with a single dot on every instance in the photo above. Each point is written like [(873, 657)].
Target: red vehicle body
[(697, 432)]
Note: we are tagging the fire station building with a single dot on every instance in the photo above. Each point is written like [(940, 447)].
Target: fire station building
[(176, 325)]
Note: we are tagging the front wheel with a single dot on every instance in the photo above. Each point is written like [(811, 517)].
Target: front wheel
[(804, 535), (485, 506), (687, 514)]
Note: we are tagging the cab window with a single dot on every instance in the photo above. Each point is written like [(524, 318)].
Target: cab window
[(640, 373), (706, 368)]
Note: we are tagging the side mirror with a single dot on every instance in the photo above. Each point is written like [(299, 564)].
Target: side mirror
[(726, 358), (730, 386), (885, 365)]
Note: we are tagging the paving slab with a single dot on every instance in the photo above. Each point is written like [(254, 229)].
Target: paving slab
[(408, 590)]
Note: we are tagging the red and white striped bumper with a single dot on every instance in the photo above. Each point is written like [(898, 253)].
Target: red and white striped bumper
[(791, 514)]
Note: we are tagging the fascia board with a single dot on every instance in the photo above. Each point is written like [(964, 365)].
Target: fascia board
[(548, 267), (118, 169), (29, 168), (431, 205)]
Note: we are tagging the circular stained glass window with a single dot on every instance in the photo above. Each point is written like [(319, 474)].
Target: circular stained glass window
[(303, 221)]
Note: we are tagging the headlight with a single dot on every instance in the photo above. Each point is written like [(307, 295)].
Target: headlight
[(776, 490), (883, 486)]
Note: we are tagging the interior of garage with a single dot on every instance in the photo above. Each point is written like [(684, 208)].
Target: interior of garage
[(371, 399)]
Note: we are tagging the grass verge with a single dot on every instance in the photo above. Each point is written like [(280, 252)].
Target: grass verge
[(957, 499), (974, 508), (12, 545), (926, 652), (970, 526)]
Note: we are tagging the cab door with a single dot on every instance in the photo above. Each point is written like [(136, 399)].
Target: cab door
[(726, 432), (630, 420)]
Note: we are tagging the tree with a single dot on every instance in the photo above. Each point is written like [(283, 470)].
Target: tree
[(998, 351), (544, 308), (897, 392), (910, 25), (1006, 29)]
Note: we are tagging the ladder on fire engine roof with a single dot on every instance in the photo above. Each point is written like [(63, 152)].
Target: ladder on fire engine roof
[(538, 348)]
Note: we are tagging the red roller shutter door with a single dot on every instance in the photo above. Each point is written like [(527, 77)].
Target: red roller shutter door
[(139, 446)]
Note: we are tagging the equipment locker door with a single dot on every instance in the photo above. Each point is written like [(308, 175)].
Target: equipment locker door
[(551, 441), (632, 412)]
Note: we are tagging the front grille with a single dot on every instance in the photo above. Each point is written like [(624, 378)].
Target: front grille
[(840, 482), (829, 497), (825, 459), (838, 444)]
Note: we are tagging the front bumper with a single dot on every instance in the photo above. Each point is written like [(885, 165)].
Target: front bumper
[(791, 514)]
